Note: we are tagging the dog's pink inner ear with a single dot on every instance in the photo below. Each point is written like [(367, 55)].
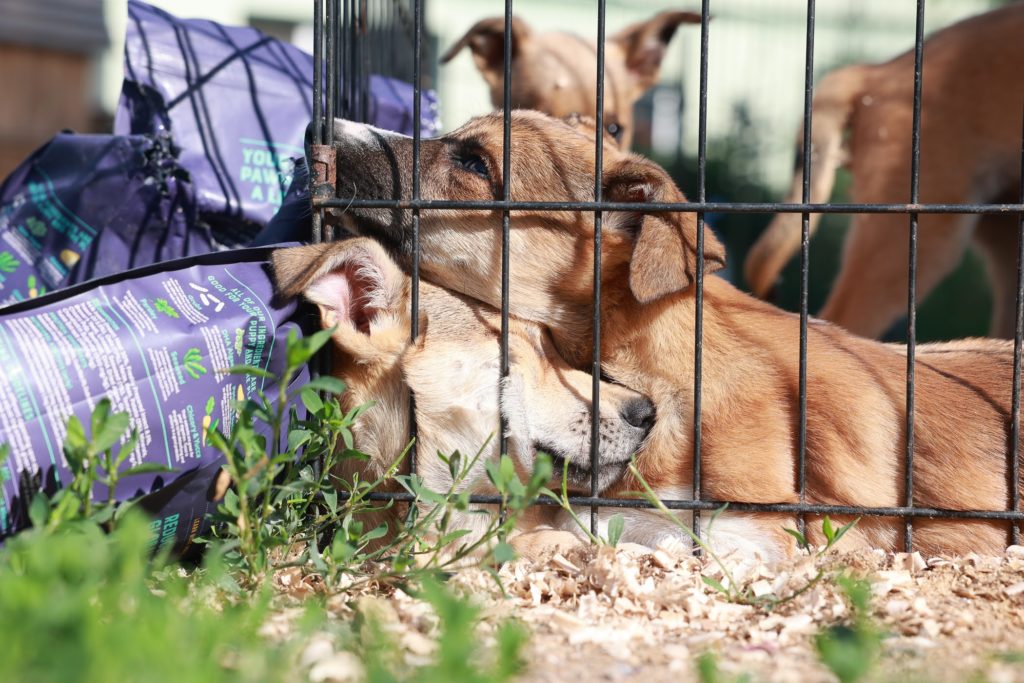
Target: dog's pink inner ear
[(331, 293), (345, 296)]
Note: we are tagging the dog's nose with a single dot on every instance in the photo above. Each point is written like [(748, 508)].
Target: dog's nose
[(640, 413)]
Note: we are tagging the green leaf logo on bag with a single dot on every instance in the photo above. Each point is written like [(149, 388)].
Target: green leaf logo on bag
[(8, 264), (165, 308), (193, 363)]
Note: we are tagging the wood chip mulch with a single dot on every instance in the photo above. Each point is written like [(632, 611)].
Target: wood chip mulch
[(630, 614)]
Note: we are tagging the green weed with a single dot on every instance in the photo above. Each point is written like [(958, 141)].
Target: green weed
[(82, 600), (731, 590), (850, 650), (708, 671), (616, 523), (92, 460), (79, 605), (459, 656)]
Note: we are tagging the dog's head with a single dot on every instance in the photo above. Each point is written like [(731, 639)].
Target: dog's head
[(645, 256), (556, 73), (453, 370)]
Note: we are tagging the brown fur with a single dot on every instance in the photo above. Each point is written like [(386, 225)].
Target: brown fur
[(856, 387), (556, 73), (453, 370), (970, 152)]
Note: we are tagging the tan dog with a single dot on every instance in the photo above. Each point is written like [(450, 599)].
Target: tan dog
[(556, 73), (970, 153), (856, 387), (453, 370)]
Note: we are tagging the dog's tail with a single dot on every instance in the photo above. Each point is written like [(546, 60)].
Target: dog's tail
[(834, 100)]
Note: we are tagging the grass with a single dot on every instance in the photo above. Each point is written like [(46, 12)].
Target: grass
[(81, 598)]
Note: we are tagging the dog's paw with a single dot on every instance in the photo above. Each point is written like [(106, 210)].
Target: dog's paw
[(540, 544)]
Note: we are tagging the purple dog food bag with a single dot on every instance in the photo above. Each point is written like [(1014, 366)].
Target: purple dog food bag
[(85, 206), (156, 341), (293, 222), (237, 103)]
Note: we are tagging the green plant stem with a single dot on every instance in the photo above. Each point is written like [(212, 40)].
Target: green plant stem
[(563, 502), (656, 502)]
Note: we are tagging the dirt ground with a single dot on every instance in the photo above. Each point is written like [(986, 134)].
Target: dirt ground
[(627, 614)]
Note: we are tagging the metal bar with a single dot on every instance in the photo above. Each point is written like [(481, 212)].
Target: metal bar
[(417, 86), (908, 473), (355, 73), (1014, 450), (805, 262), (320, 364), (341, 54), (331, 50), (330, 38), (595, 358), (365, 34), (356, 76), (787, 508), (698, 314), (345, 47), (506, 167), (348, 49), (388, 23), (318, 107), (688, 207), (377, 37)]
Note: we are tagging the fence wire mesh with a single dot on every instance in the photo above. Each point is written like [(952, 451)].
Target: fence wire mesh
[(355, 37)]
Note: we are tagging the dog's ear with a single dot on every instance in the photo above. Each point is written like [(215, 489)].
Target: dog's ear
[(486, 40), (351, 281), (664, 258), (645, 42)]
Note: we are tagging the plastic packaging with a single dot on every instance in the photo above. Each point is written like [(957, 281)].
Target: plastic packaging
[(237, 102), (85, 206), (155, 341)]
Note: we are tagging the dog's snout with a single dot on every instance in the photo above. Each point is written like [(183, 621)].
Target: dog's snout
[(640, 413), (362, 134), (351, 131)]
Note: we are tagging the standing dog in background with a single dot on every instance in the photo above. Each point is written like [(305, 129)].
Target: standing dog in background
[(856, 388), (556, 73), (453, 370), (972, 89)]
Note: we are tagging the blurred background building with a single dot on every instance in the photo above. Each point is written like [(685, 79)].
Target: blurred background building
[(49, 56)]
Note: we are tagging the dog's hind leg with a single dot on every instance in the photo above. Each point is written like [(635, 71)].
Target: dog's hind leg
[(870, 291), (996, 240)]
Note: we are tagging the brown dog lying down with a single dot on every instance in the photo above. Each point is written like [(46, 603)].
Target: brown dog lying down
[(556, 73), (453, 370), (970, 152), (856, 387)]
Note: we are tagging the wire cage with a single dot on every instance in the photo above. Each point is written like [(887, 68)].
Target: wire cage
[(348, 42)]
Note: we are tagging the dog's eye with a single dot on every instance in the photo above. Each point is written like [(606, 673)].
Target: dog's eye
[(471, 163), (615, 130)]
